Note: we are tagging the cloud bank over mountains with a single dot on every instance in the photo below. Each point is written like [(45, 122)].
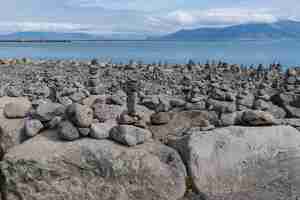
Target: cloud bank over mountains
[(138, 16)]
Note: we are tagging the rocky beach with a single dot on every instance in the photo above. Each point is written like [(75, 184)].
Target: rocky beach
[(74, 130)]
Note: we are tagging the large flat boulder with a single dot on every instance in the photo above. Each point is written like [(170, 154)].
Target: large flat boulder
[(11, 130), (46, 168), (259, 162)]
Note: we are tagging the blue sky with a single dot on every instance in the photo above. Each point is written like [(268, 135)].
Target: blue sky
[(138, 17)]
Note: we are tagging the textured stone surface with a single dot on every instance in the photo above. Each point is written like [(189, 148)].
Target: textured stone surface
[(67, 131), (11, 132), (46, 168), (259, 161)]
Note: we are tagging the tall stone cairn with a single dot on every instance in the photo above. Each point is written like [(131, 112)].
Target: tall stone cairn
[(94, 79), (131, 89), (292, 81)]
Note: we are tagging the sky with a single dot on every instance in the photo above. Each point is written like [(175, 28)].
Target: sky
[(138, 17)]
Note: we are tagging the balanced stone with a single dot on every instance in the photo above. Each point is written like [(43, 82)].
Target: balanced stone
[(67, 131)]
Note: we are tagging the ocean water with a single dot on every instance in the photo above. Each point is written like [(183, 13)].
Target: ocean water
[(287, 52)]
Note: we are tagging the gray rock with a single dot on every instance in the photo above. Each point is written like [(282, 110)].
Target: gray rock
[(230, 96), (105, 112), (264, 97), (12, 132), (102, 130), (65, 101), (53, 123), (158, 103), (32, 127), (229, 119), (294, 122), (42, 91), (13, 91), (81, 115), (84, 131), (228, 162), (221, 106), (150, 102), (77, 96), (116, 99), (276, 111), (16, 109), (47, 111), (292, 112), (207, 128), (261, 105), (67, 131), (129, 135), (196, 196), (201, 105), (257, 118), (48, 168), (218, 94), (126, 119), (164, 104), (160, 118), (177, 102), (287, 98), (246, 100)]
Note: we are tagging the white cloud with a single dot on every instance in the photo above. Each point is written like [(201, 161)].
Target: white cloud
[(212, 17), (138, 5), (43, 26)]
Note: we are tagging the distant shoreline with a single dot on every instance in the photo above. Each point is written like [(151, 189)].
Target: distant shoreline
[(135, 40), (37, 41)]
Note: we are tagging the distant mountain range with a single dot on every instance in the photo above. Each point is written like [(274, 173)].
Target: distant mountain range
[(49, 36), (284, 29)]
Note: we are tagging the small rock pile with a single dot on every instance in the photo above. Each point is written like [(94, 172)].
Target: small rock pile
[(75, 93), (76, 120), (209, 114)]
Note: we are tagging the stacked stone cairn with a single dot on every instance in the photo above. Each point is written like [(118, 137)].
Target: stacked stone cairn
[(94, 78), (132, 128), (292, 82)]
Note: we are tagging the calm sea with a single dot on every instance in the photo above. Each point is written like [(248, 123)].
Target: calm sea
[(286, 52)]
